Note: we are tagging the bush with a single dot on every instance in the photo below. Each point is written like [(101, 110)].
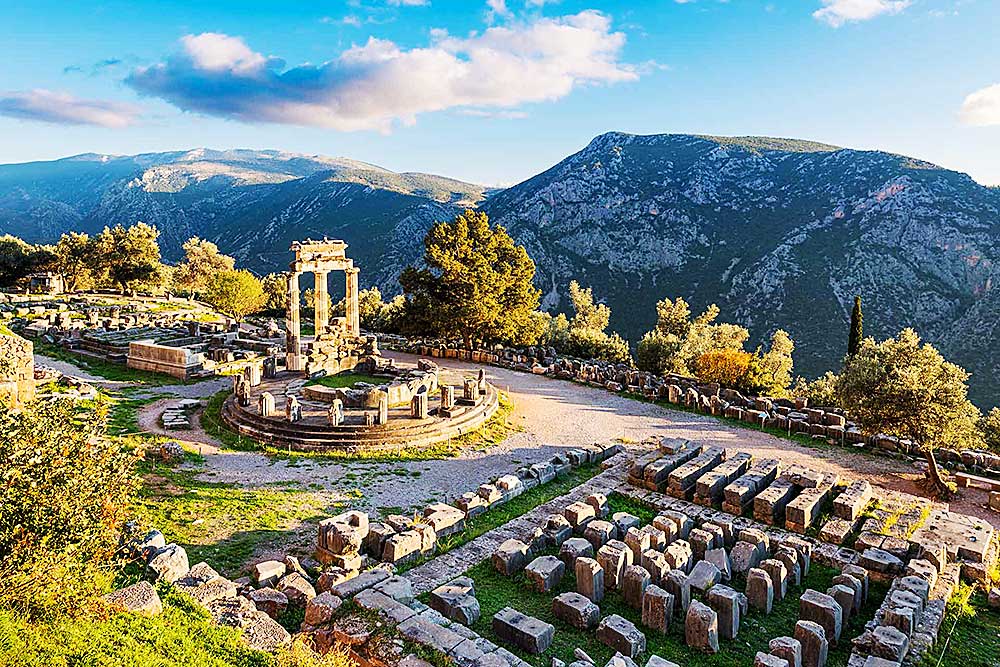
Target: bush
[(656, 351), (989, 427), (821, 392), (65, 491), (726, 367)]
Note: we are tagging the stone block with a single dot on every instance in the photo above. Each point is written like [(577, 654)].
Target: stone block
[(638, 541), (363, 581), (877, 560), (589, 579), (701, 628), (621, 635), (889, 643), (767, 660), (544, 573), (527, 633), (852, 502), (656, 564), (857, 590), (634, 583), (140, 598), (700, 541), (657, 608), (844, 596), (704, 575), (614, 557), (720, 559), (579, 514), (573, 548), (779, 577), (760, 590), (403, 547), (319, 610), (623, 521), (599, 502), (683, 522), (676, 583), (456, 601), (679, 556), (168, 564), (822, 610), (576, 610), (557, 529), (812, 639), (788, 649), (510, 557), (744, 557), (600, 532), (730, 606)]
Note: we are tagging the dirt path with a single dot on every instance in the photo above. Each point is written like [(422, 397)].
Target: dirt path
[(72, 370)]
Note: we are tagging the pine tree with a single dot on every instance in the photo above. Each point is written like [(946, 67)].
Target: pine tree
[(857, 328)]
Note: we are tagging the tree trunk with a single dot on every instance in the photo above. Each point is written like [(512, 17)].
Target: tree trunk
[(936, 486), (467, 340)]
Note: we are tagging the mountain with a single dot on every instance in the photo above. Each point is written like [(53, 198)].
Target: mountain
[(779, 233)]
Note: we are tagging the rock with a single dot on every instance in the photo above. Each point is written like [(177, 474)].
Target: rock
[(351, 587), (580, 654), (720, 559), (621, 635), (573, 548), (676, 583), (656, 564), (297, 589), (423, 631), (579, 514), (729, 605), (389, 609), (844, 596), (701, 628), (812, 639), (767, 660), (260, 631), (744, 556), (657, 608), (205, 585), (857, 588), (788, 649), (589, 579), (527, 633), (877, 560), (510, 557), (703, 576), (398, 588), (599, 533), (168, 564), (330, 578), (993, 599), (544, 573), (679, 556), (268, 572), (634, 583), (576, 610), (140, 598), (889, 643), (403, 547), (623, 521), (457, 601), (822, 610), (319, 610), (760, 590), (557, 530), (779, 577), (614, 557)]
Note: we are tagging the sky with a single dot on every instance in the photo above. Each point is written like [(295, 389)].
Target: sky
[(495, 91)]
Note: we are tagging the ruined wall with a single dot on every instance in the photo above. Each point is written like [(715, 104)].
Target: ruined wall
[(17, 370), (179, 362)]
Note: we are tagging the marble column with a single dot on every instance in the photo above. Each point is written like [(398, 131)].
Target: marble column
[(321, 303), (353, 316), (293, 357)]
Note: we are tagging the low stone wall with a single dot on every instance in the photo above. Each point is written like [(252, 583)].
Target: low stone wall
[(17, 370), (178, 362)]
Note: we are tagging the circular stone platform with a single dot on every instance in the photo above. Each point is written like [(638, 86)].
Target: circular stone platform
[(313, 432)]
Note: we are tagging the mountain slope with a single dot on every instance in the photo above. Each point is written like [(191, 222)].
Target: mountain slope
[(779, 233)]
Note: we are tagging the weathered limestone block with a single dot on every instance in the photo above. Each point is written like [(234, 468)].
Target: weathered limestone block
[(804, 550), (600, 532), (319, 610), (557, 530), (457, 601), (760, 590), (656, 564), (683, 522), (623, 521), (527, 633), (365, 580), (638, 542), (790, 557), (205, 585), (720, 559), (822, 610), (769, 505), (861, 574), (579, 514), (403, 547), (140, 598), (704, 575), (739, 495), (844, 596), (788, 649), (599, 502), (576, 610), (657, 608), (510, 557), (681, 482), (668, 527), (676, 583), (779, 577), (700, 541), (729, 605), (877, 560), (801, 512), (444, 519), (634, 583), (679, 556), (614, 557), (573, 548), (815, 647), (701, 628), (852, 502), (744, 556), (589, 579), (168, 564), (767, 660), (621, 635), (857, 590), (544, 573), (889, 643), (758, 538), (710, 487), (656, 473), (835, 531)]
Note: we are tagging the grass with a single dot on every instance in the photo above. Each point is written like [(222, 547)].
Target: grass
[(222, 524), (496, 591), (515, 507), (343, 380), (182, 635), (105, 369), (494, 431), (969, 635)]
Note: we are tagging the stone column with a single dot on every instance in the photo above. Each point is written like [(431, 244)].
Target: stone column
[(321, 311), (293, 357), (351, 299)]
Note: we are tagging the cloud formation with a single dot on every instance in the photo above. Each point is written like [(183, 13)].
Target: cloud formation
[(379, 84), (982, 107), (64, 109), (838, 12)]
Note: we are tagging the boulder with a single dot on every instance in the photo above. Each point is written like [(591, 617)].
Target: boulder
[(140, 598), (168, 564)]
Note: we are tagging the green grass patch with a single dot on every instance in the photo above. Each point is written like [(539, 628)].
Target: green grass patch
[(496, 591), (343, 380), (222, 524), (182, 635), (969, 635), (515, 507)]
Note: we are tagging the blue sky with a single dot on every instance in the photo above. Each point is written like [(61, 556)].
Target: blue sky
[(494, 91)]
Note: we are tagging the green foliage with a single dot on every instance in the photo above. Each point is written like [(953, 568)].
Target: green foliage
[(74, 260), (726, 367), (989, 428), (202, 260), (770, 372), (236, 293), (18, 259), (585, 335), (655, 351), (275, 286), (377, 315), (129, 255), (64, 493), (970, 632), (821, 392), (477, 284), (857, 328)]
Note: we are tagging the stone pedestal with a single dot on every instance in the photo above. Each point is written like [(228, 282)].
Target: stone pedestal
[(266, 401), (418, 406)]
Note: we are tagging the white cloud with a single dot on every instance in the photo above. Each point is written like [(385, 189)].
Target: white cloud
[(838, 12), (503, 115), (379, 84), (982, 107), (64, 109), (409, 3)]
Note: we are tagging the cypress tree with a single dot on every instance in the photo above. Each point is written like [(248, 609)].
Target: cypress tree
[(857, 328)]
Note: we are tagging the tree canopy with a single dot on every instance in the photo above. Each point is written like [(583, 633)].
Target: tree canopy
[(236, 293), (904, 388), (476, 283), (857, 328), (202, 260), (129, 255)]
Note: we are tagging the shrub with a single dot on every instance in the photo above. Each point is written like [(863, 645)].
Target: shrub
[(989, 427), (656, 351), (727, 367), (64, 494)]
